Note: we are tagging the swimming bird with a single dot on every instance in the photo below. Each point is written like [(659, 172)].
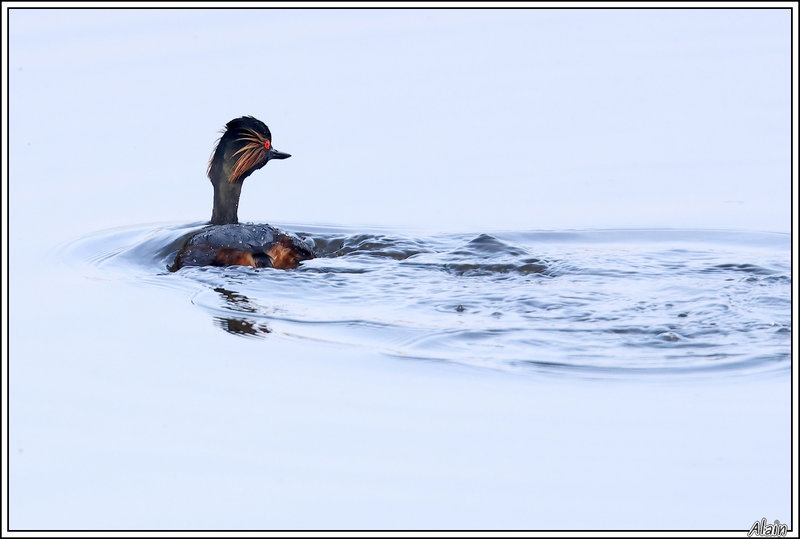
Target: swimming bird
[(245, 146)]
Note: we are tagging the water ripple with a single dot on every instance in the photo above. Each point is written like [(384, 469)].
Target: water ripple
[(587, 303)]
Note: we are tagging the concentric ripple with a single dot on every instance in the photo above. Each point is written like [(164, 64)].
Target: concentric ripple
[(591, 303)]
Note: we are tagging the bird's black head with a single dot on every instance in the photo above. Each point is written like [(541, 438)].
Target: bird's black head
[(245, 146)]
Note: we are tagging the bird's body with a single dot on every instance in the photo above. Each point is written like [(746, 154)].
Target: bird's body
[(260, 246), (245, 147)]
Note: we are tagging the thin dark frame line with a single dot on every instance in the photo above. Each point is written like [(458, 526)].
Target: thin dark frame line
[(406, 8), (7, 264), (7, 268)]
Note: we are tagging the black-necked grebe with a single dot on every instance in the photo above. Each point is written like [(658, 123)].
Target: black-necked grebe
[(245, 147)]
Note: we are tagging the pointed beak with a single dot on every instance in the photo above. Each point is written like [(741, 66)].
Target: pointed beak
[(275, 154)]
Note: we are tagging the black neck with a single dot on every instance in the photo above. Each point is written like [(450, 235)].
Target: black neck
[(226, 202)]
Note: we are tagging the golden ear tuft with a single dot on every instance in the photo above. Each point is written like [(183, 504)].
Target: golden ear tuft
[(251, 152)]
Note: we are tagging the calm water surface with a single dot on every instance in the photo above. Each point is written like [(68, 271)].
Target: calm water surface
[(585, 303)]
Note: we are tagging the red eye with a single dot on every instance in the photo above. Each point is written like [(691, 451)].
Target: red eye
[(266, 145)]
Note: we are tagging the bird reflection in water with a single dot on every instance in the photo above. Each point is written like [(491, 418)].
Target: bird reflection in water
[(243, 326)]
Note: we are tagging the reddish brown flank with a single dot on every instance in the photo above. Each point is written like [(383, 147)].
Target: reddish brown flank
[(283, 257), (234, 257)]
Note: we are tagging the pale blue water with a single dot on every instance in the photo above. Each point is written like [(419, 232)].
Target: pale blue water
[(512, 363), (579, 303)]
